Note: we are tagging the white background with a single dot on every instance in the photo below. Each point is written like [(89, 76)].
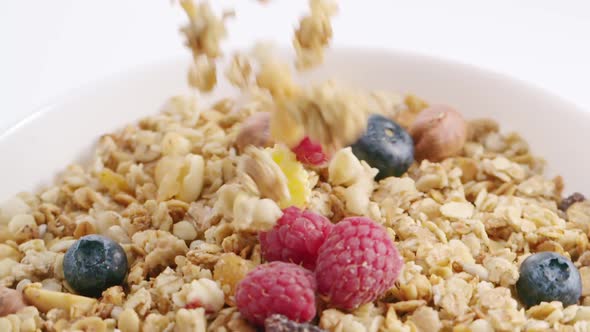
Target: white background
[(50, 47)]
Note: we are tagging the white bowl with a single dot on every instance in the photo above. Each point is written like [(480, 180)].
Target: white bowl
[(34, 151)]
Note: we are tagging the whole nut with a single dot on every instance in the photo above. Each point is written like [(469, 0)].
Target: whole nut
[(255, 131), (11, 301), (439, 132)]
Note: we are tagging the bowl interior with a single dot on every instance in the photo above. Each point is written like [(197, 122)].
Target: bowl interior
[(34, 151)]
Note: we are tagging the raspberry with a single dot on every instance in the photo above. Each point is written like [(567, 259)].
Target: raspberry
[(310, 153), (277, 288), (357, 263), (296, 237)]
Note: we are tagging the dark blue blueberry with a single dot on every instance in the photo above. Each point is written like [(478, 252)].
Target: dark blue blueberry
[(548, 276), (386, 146), (93, 264)]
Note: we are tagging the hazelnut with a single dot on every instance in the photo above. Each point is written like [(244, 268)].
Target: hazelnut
[(11, 301), (439, 132), (255, 131)]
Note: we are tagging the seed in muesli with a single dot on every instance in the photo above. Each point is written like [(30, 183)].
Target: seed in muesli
[(385, 145), (93, 264), (548, 277), (570, 200), (280, 323)]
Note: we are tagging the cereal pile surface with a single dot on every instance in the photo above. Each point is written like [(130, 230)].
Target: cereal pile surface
[(254, 213)]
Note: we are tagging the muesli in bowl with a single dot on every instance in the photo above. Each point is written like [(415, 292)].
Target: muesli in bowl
[(297, 208)]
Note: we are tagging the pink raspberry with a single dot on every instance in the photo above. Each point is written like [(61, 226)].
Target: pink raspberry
[(277, 288), (310, 153), (296, 237), (357, 263)]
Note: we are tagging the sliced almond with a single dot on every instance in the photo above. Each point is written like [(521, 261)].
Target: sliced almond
[(46, 300)]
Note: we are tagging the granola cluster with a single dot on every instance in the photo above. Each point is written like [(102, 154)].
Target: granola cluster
[(186, 204)]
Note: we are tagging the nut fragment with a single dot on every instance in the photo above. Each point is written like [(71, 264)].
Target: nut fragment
[(11, 301), (439, 132), (255, 131), (268, 176), (46, 300)]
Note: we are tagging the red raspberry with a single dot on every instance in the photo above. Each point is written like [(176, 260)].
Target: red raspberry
[(357, 263), (296, 237), (310, 153), (277, 288)]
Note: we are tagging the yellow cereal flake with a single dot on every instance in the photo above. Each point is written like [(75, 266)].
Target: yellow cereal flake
[(297, 177), (114, 182)]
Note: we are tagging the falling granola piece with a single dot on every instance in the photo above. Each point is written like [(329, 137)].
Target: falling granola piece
[(203, 74), (239, 71), (414, 105), (203, 34), (204, 30), (314, 33)]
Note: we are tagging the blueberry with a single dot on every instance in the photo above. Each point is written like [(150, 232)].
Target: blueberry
[(548, 276), (93, 264), (385, 145)]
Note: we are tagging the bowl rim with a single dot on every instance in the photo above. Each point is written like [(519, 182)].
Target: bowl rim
[(50, 105)]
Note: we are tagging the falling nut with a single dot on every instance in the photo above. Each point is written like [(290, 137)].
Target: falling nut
[(255, 131), (477, 128), (439, 132), (11, 301)]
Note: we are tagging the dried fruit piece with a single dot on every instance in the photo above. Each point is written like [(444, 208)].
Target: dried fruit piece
[(296, 237), (297, 178), (229, 270), (11, 301), (277, 288), (439, 132), (310, 153), (280, 323), (570, 200)]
